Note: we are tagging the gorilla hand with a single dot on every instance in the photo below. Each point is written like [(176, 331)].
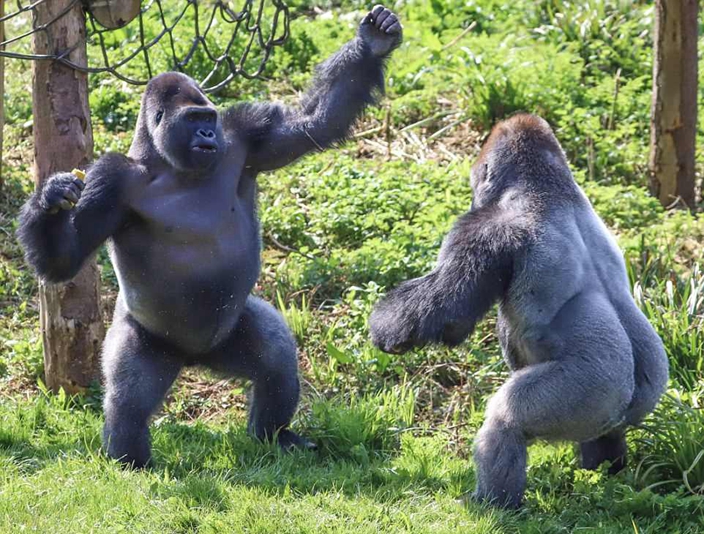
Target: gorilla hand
[(434, 308), (395, 324), (61, 192), (381, 31)]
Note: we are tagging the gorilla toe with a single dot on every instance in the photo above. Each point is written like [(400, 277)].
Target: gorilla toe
[(289, 440)]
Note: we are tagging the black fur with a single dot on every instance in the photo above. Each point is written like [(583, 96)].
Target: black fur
[(56, 244), (180, 218)]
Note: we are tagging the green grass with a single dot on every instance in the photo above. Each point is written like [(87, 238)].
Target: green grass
[(339, 228), (213, 478)]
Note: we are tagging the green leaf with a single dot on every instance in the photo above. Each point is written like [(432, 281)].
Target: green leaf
[(336, 353)]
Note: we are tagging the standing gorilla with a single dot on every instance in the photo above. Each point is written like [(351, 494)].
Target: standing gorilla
[(180, 217), (584, 361)]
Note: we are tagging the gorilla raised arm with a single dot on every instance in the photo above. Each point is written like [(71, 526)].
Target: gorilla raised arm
[(585, 363), (180, 217), (343, 86)]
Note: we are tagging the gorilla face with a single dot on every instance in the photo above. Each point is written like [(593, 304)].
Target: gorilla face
[(184, 124)]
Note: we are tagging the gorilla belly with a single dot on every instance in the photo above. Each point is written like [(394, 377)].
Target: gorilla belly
[(195, 319), (192, 296)]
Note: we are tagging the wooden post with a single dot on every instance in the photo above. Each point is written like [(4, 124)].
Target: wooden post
[(673, 124), (71, 322)]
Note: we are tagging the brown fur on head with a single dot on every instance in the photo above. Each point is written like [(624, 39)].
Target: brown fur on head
[(522, 132), (520, 148)]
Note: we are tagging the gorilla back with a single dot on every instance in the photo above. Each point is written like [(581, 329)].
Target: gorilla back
[(584, 361), (180, 217)]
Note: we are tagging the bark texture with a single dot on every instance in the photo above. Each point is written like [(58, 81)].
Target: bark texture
[(674, 107), (71, 322)]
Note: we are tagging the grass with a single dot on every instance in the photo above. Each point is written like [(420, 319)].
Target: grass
[(339, 228), (213, 478), (676, 445)]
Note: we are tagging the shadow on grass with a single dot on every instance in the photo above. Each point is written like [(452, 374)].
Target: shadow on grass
[(362, 448)]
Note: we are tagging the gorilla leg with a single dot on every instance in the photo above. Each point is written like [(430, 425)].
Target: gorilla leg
[(263, 350), (609, 448), (500, 457), (138, 370), (551, 400)]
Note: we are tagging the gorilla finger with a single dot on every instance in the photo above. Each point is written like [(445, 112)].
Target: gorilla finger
[(65, 204), (79, 183), (71, 196), (396, 28), (376, 10), (74, 188), (390, 21), (381, 17), (63, 178)]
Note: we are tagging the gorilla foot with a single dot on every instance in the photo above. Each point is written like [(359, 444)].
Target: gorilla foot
[(484, 500), (289, 440), (609, 448), (128, 461), (134, 463), (507, 502), (131, 450)]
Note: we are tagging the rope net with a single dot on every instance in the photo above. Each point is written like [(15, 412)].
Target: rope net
[(214, 42)]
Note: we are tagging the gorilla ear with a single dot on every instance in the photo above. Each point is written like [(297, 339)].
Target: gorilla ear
[(477, 174)]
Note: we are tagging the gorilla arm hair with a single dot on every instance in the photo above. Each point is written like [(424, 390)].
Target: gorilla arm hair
[(344, 85), (473, 271), (57, 244)]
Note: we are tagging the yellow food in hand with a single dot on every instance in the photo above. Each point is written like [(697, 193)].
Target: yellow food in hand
[(78, 173)]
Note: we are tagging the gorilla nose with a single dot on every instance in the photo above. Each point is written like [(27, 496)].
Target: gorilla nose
[(206, 134)]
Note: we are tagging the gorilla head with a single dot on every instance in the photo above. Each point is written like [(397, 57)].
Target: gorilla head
[(520, 152), (180, 123)]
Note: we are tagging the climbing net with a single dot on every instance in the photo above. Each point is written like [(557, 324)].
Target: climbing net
[(215, 42)]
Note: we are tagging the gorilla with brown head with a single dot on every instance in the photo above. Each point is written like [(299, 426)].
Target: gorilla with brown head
[(179, 214), (585, 363)]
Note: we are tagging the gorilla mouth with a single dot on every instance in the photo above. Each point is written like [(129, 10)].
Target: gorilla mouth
[(207, 148)]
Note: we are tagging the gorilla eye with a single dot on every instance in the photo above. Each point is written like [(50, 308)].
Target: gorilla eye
[(159, 115)]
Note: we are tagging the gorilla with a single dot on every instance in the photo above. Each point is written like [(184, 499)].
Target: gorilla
[(179, 215), (585, 363)]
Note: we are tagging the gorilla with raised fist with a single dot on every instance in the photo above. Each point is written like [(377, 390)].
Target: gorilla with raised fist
[(585, 363), (179, 214)]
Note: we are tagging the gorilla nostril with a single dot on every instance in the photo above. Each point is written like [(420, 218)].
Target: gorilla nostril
[(207, 134)]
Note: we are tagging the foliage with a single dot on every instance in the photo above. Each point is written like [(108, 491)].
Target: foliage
[(675, 307), (673, 448), (338, 230)]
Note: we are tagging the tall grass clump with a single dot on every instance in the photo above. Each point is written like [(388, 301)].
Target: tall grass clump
[(360, 426), (675, 307), (674, 445)]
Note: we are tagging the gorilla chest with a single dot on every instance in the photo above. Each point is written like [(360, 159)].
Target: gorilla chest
[(188, 261), (203, 223)]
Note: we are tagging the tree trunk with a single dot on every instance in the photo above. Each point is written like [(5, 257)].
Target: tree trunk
[(2, 93), (674, 109), (71, 322)]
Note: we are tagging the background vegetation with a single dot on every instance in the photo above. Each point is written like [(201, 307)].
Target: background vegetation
[(394, 432)]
